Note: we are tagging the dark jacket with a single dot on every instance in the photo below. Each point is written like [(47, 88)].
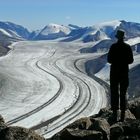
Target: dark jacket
[(120, 56)]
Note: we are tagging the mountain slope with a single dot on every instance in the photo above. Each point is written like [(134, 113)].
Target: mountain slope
[(17, 29), (97, 32), (52, 31), (6, 38)]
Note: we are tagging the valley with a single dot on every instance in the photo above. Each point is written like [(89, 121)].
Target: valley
[(42, 81), (51, 77)]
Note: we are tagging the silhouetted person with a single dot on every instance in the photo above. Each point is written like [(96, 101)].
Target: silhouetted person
[(119, 56)]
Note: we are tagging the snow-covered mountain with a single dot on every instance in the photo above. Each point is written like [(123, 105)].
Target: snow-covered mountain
[(97, 32), (103, 33), (15, 30), (73, 32), (100, 31), (132, 29), (7, 37), (34, 34), (10, 32), (52, 31)]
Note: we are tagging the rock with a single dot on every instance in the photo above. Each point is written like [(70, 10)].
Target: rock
[(134, 107), (131, 127), (19, 133), (105, 113), (16, 133), (101, 125), (126, 130), (129, 115), (116, 131), (83, 123), (71, 134)]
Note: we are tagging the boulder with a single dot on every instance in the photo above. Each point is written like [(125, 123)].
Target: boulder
[(16, 133), (83, 123), (106, 113), (71, 134), (129, 115), (134, 107), (127, 130), (101, 125), (19, 133), (116, 131)]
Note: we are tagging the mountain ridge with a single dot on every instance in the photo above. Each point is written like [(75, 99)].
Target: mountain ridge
[(11, 32), (107, 28)]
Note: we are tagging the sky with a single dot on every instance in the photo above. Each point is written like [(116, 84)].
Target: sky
[(35, 14)]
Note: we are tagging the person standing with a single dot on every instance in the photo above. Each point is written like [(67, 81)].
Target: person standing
[(119, 56)]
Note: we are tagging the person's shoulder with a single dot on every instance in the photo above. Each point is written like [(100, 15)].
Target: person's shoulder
[(126, 44), (114, 45)]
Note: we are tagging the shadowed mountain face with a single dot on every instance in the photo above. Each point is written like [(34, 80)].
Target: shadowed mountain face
[(132, 29), (10, 32), (3, 50), (15, 30), (94, 66), (102, 46)]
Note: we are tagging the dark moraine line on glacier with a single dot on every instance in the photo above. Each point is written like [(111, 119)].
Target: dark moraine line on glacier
[(43, 105), (100, 81), (74, 112)]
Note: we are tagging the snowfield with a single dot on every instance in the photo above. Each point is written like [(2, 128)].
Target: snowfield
[(44, 86)]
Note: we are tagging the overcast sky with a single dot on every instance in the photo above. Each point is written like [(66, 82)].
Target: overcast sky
[(35, 14)]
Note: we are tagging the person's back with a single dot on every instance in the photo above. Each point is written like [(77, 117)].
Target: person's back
[(119, 56)]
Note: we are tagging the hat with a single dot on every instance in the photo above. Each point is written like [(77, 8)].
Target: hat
[(120, 34)]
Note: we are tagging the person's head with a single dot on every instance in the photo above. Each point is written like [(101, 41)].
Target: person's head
[(120, 34)]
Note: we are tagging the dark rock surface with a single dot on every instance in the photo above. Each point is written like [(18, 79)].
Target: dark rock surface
[(16, 133), (102, 127), (97, 127), (134, 107)]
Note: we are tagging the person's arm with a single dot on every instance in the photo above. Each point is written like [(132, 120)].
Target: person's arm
[(109, 56), (130, 56)]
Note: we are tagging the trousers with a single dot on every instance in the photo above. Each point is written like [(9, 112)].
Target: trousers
[(118, 88)]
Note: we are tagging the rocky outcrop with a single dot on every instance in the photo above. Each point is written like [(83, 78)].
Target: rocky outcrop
[(102, 127), (16, 133), (128, 130), (97, 127), (72, 134), (134, 107)]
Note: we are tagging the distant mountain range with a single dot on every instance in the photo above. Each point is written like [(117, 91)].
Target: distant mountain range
[(10, 32)]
